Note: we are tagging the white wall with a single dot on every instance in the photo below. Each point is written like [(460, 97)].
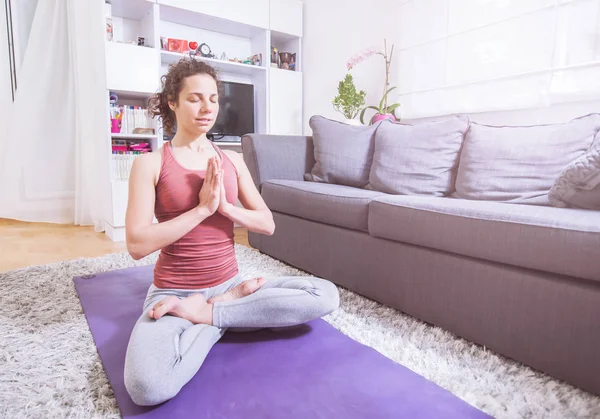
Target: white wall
[(466, 56), (5, 86), (23, 12), (495, 37), (334, 30), (5, 82)]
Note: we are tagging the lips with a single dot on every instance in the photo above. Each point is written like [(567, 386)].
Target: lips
[(203, 120)]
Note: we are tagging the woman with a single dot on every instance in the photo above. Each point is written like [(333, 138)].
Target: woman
[(192, 187)]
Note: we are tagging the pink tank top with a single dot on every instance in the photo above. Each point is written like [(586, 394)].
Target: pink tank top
[(205, 256)]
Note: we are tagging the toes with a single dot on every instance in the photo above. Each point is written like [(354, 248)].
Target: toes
[(163, 307), (259, 282), (251, 286), (158, 313), (248, 287)]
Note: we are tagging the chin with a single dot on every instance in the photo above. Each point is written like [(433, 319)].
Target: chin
[(198, 131)]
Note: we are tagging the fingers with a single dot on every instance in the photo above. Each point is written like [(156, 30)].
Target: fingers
[(209, 172), (216, 164), (218, 179), (214, 173)]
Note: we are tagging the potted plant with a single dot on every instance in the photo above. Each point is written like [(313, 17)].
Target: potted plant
[(348, 101), (385, 110)]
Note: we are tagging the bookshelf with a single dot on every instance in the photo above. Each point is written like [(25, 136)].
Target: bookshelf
[(234, 30)]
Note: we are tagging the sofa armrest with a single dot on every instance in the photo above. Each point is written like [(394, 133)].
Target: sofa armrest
[(277, 157)]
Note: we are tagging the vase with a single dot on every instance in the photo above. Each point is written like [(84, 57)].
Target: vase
[(351, 121), (380, 117)]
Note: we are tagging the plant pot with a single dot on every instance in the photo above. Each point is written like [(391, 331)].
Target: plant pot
[(351, 121), (380, 117)]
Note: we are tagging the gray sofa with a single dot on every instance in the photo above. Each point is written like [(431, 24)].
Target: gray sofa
[(523, 280)]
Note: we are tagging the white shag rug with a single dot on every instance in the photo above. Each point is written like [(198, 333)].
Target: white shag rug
[(49, 367)]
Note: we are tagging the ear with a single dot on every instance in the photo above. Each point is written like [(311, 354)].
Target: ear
[(171, 102)]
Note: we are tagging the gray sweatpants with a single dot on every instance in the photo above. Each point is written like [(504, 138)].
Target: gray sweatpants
[(163, 355)]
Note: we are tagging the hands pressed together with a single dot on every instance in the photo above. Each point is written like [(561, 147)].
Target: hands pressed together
[(212, 194)]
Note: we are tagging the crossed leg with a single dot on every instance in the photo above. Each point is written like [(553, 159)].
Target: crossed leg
[(164, 354)]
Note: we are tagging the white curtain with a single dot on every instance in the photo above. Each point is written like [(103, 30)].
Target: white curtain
[(54, 153), (465, 56)]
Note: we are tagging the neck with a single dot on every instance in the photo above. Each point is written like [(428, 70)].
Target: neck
[(186, 140)]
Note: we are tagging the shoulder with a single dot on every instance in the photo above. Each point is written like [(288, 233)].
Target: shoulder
[(149, 160), (148, 165), (236, 158)]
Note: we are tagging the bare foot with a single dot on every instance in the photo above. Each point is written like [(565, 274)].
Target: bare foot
[(239, 291), (194, 308)]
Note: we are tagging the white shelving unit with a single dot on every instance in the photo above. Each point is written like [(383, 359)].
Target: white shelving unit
[(221, 66), (135, 136), (238, 28)]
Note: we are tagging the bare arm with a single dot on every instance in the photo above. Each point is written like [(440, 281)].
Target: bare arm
[(255, 216), (144, 237)]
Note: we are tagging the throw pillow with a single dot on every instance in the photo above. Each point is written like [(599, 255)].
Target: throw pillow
[(578, 186), (343, 153), (418, 159), (519, 164)]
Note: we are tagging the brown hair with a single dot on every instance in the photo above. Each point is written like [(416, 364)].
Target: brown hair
[(172, 83)]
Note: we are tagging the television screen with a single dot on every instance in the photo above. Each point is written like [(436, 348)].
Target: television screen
[(236, 110)]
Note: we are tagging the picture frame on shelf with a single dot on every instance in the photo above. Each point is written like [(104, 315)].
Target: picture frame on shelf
[(256, 59), (275, 57), (287, 60)]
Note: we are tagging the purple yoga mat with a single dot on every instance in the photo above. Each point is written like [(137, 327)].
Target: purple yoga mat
[(307, 371)]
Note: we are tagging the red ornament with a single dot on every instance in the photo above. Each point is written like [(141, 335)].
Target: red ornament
[(193, 45)]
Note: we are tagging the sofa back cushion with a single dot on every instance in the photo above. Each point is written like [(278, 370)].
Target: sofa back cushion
[(417, 159), (578, 186), (519, 164), (343, 153)]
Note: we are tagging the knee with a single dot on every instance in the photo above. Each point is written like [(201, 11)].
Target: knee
[(145, 391), (329, 296)]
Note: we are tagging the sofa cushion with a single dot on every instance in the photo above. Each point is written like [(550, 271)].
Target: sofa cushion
[(578, 186), (338, 205), (558, 240), (343, 153), (520, 164), (418, 160)]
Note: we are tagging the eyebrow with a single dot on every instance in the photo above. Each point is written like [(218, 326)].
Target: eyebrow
[(202, 94)]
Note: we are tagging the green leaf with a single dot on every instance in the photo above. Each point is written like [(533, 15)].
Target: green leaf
[(348, 101), (362, 114), (383, 99), (392, 108)]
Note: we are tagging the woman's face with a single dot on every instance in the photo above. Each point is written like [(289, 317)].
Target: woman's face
[(198, 105)]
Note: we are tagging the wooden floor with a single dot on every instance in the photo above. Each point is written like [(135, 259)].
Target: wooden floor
[(25, 244)]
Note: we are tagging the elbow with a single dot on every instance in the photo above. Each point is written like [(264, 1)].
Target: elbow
[(134, 253), (134, 249), (270, 228)]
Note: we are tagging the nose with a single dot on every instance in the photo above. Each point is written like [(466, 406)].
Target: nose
[(205, 108)]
